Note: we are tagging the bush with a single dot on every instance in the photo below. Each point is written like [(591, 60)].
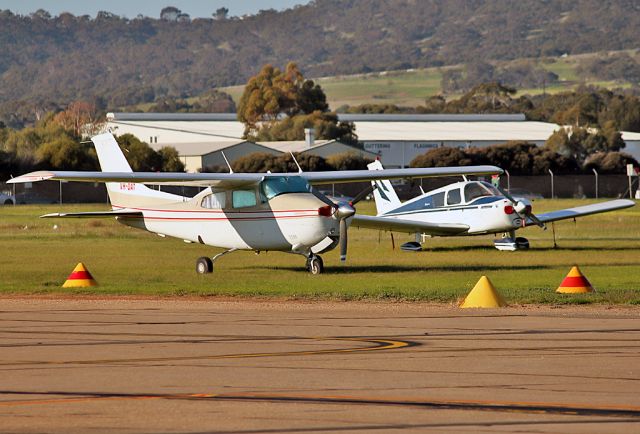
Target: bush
[(609, 162), (441, 157), (259, 162), (348, 161)]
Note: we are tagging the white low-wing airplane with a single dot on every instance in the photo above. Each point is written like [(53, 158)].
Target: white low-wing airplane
[(465, 208), (235, 211)]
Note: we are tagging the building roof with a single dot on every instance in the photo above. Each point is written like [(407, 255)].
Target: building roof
[(186, 117), (350, 117), (199, 148), (384, 117), (454, 131), (174, 128), (294, 145)]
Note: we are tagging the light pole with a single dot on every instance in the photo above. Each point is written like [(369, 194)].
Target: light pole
[(596, 173), (552, 190)]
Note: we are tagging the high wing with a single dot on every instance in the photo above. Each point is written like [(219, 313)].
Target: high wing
[(410, 226), (169, 178), (581, 211), (93, 214), (231, 180)]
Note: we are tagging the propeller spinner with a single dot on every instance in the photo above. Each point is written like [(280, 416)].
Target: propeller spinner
[(522, 208), (343, 212)]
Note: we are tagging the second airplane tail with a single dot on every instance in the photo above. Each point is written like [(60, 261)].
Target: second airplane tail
[(384, 195)]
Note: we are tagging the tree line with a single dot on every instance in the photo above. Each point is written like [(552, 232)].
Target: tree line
[(48, 61), (57, 142), (279, 104)]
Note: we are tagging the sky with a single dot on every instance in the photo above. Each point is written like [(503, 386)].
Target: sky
[(131, 8)]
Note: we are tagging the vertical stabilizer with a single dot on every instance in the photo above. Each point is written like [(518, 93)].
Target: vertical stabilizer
[(384, 195), (123, 195)]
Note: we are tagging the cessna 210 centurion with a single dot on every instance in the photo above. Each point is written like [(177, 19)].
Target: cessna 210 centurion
[(465, 208), (235, 211)]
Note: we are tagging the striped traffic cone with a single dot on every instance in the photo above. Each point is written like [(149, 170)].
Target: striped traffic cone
[(575, 283), (80, 277)]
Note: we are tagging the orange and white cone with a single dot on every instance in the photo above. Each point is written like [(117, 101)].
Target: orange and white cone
[(575, 283), (79, 278)]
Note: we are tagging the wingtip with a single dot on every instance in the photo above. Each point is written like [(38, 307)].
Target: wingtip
[(31, 177)]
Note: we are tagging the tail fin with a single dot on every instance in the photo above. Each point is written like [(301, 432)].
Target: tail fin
[(123, 195), (384, 195)]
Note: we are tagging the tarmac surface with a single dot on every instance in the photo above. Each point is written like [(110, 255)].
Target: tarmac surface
[(212, 366)]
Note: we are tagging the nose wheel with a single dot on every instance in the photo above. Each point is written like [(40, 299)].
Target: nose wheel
[(315, 264)]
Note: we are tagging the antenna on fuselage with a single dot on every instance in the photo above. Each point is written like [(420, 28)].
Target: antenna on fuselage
[(465, 178), (226, 161), (296, 161)]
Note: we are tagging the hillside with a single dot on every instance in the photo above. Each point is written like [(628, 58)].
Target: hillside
[(48, 61)]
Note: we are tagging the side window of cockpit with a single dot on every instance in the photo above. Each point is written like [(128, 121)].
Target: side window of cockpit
[(243, 198), (474, 190), (214, 201), (438, 200), (434, 201), (453, 197)]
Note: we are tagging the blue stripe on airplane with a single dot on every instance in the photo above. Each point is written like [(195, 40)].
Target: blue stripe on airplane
[(419, 206)]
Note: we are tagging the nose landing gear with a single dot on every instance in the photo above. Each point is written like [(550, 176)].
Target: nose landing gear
[(314, 264)]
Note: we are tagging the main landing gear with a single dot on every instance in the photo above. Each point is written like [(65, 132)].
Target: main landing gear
[(509, 242), (204, 265), (314, 264)]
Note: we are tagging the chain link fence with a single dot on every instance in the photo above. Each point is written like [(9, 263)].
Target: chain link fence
[(562, 186)]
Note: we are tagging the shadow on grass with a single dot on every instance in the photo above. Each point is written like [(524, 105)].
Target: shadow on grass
[(532, 249), (350, 269)]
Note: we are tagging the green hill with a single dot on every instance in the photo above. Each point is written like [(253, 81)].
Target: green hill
[(49, 61)]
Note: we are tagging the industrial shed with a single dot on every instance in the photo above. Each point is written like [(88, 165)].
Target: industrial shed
[(395, 138), (322, 148), (199, 155)]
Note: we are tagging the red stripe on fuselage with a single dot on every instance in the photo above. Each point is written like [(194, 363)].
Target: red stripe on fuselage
[(216, 211)]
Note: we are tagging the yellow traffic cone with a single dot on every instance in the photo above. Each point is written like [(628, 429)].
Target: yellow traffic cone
[(483, 295), (575, 283), (80, 277)]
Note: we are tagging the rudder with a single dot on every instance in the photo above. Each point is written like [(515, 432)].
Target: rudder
[(384, 195)]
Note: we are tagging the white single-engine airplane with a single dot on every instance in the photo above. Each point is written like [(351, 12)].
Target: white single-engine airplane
[(465, 208), (235, 211)]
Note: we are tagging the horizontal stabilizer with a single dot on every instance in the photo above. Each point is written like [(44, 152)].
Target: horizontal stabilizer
[(582, 211), (409, 226), (94, 214)]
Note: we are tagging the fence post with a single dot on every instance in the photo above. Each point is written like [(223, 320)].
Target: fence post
[(596, 173), (552, 190)]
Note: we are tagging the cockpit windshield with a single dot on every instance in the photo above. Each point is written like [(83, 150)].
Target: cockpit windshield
[(474, 190), (274, 186)]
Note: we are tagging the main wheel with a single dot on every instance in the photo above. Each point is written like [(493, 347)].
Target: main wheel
[(315, 265), (204, 265)]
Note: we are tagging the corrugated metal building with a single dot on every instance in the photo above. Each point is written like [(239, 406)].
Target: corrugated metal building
[(396, 138)]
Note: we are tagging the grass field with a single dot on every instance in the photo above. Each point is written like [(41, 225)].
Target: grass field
[(37, 259)]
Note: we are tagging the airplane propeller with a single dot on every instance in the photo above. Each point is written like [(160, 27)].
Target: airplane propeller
[(521, 208), (343, 212)]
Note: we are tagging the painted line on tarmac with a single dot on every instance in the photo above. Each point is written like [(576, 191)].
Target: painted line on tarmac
[(377, 345), (466, 405)]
